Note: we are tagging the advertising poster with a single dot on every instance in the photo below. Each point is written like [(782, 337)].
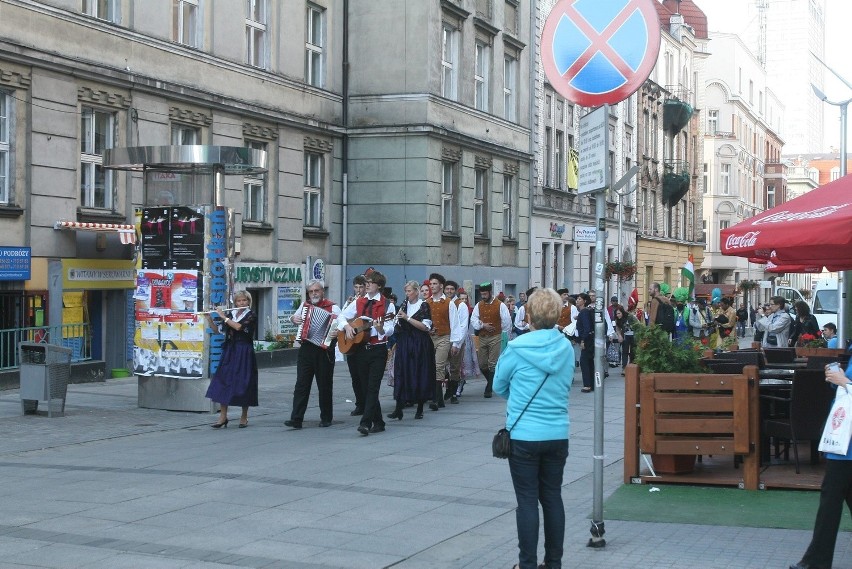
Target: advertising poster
[(169, 339), (171, 234), (289, 299)]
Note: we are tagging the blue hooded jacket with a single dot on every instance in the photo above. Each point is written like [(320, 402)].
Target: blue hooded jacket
[(522, 367)]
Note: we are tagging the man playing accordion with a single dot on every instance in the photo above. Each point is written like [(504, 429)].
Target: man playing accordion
[(317, 319)]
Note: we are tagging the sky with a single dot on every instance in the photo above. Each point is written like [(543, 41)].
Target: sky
[(730, 16)]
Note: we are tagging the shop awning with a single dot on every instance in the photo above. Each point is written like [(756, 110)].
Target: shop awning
[(126, 232)]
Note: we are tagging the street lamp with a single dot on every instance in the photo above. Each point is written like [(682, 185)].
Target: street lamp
[(844, 276)]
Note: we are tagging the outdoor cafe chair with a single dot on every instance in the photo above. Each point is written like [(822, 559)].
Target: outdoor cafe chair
[(808, 406)]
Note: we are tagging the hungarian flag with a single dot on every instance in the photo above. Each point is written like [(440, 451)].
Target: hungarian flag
[(688, 272)]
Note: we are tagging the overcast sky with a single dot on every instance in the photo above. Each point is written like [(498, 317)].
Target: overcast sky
[(733, 16)]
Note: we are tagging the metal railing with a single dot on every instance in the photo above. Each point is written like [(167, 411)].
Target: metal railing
[(77, 337)]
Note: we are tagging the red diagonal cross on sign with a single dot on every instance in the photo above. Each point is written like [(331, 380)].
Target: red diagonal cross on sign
[(599, 41)]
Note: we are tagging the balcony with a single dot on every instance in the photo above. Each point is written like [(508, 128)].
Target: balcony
[(676, 108), (675, 181)]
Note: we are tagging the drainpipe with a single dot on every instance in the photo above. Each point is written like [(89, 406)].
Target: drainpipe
[(536, 44), (344, 263)]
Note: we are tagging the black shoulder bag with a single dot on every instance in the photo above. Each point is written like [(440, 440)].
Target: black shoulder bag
[(501, 446)]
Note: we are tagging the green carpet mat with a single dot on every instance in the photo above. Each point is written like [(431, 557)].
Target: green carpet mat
[(716, 507)]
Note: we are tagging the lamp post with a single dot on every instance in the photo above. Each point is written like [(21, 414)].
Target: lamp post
[(844, 276)]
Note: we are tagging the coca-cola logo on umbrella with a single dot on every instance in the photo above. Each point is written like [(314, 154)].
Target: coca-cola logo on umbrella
[(787, 215), (742, 241)]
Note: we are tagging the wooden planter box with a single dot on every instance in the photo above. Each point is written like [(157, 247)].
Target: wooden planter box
[(825, 352), (673, 463)]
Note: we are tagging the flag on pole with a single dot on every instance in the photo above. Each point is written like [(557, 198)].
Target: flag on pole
[(573, 172), (688, 272)]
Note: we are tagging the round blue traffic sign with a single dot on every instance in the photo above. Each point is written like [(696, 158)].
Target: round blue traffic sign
[(600, 51)]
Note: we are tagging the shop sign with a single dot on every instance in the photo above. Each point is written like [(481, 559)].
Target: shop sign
[(268, 274), (15, 263), (557, 230), (79, 274), (585, 234)]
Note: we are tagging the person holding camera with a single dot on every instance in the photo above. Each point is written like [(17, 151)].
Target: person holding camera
[(775, 324)]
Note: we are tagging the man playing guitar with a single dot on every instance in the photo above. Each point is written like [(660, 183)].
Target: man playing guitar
[(372, 356)]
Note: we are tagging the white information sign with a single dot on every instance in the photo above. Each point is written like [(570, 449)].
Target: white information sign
[(585, 233), (593, 151)]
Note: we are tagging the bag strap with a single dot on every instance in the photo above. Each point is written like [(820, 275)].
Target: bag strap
[(528, 403)]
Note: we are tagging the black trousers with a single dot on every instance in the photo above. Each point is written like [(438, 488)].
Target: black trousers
[(836, 489), (372, 360), (359, 388), (313, 362), (587, 364)]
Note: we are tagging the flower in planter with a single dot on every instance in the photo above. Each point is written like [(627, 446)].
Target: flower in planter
[(623, 269), (811, 341)]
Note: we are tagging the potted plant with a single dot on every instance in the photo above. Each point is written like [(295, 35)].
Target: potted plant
[(657, 353), (624, 270)]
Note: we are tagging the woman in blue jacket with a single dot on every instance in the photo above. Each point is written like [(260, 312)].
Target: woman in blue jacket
[(836, 489), (543, 359)]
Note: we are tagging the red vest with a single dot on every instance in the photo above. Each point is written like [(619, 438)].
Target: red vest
[(377, 311)]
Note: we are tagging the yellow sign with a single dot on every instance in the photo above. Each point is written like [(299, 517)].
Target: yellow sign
[(98, 274)]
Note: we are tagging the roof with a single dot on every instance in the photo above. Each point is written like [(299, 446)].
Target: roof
[(692, 14)]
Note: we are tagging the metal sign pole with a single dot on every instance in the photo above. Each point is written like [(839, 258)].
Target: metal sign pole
[(597, 529)]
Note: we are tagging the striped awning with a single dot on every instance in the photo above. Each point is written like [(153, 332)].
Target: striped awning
[(126, 232)]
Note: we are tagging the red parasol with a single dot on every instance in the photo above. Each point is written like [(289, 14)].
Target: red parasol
[(809, 231)]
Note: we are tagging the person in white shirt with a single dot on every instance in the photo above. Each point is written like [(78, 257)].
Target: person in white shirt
[(462, 325), (316, 360), (490, 318), (372, 355)]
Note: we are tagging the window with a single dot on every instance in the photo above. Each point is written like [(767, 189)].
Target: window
[(510, 17), (835, 173), (509, 81), (96, 135), (725, 179), (184, 135), (5, 121), (481, 76), (646, 211), (653, 211), (102, 9), (448, 197), (704, 231), (770, 197), (254, 190), (314, 47), (313, 189), (646, 133), (654, 134), (712, 121), (256, 32), (559, 158), (724, 224), (185, 22), (480, 201), (449, 60), (548, 105), (548, 158), (508, 206), (705, 182)]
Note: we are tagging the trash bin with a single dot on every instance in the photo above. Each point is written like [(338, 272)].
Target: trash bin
[(45, 371)]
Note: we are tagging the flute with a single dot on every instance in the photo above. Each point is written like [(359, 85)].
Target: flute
[(216, 310)]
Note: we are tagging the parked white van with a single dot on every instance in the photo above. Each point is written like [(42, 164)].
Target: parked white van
[(824, 302)]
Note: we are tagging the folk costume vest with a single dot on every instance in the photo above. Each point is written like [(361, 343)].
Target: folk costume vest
[(440, 316), (378, 308), (564, 316), (489, 313)]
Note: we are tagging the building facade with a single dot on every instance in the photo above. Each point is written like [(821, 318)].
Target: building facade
[(671, 106), (408, 161), (742, 152)]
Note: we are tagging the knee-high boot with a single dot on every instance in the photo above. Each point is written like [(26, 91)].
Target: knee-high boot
[(489, 381)]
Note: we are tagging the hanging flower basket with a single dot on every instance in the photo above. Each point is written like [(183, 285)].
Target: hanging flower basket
[(623, 269), (748, 285)]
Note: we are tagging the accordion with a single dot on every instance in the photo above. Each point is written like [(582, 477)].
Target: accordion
[(319, 326)]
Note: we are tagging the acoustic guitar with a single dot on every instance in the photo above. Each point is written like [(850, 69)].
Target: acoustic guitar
[(362, 333)]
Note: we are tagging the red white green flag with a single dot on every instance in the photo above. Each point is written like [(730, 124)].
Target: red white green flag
[(688, 272)]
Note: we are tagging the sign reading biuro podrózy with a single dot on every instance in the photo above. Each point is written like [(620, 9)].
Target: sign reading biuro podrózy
[(15, 263), (600, 52)]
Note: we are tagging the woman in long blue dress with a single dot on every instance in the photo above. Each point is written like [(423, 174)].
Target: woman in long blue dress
[(414, 363), (235, 380)]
